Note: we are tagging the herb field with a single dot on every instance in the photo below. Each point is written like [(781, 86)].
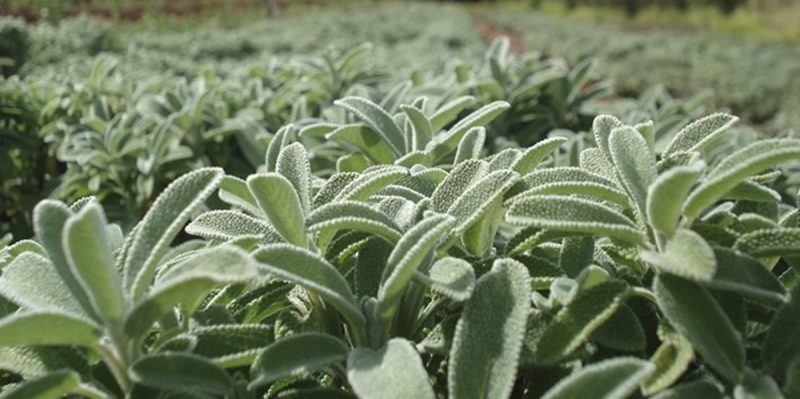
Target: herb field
[(280, 210)]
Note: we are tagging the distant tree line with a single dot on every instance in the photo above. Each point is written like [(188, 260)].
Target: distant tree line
[(632, 7)]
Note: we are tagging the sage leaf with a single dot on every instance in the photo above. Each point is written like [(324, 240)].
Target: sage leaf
[(296, 355), (47, 328), (170, 212), (483, 361), (696, 315), (615, 378), (686, 254), (182, 372), (378, 119), (88, 253), (701, 133), (569, 214), (392, 372), (573, 324), (313, 273), (278, 199)]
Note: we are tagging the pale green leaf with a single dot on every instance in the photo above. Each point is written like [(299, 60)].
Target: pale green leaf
[(601, 128), (49, 218), (701, 133), (296, 355), (88, 253), (294, 166), (737, 167), (615, 378), (352, 215), (47, 328), (686, 254), (278, 199), (534, 155), (456, 183), (187, 283), (666, 195), (50, 386), (636, 165), (313, 273), (282, 138), (166, 218), (226, 225), (371, 182), (445, 143), (573, 324), (364, 139), (392, 372), (406, 258), (672, 358), (32, 282), (770, 242), (451, 277), (470, 145), (378, 119), (182, 372), (488, 337), (234, 191), (421, 125), (449, 111), (696, 315), (569, 214)]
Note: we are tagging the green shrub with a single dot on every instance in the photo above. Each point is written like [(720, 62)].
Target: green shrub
[(15, 45)]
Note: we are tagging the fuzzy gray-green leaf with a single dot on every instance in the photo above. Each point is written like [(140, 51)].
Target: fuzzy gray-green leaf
[(371, 182), (182, 372), (392, 372), (88, 253), (686, 254), (470, 145), (666, 195), (47, 328), (447, 142), (636, 165), (378, 119), (451, 277), (364, 139), (483, 361), (32, 282), (449, 111), (695, 314), (49, 218), (770, 242), (226, 225), (294, 166), (423, 130), (460, 178), (187, 283), (574, 324), (313, 273), (353, 215), (737, 167), (406, 258), (701, 133), (615, 378), (171, 210), (278, 199), (534, 155), (569, 214), (296, 355), (782, 344)]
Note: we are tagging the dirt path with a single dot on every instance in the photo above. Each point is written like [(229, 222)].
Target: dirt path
[(490, 31)]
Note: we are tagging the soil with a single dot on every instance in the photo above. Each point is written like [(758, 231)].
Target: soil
[(490, 31)]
